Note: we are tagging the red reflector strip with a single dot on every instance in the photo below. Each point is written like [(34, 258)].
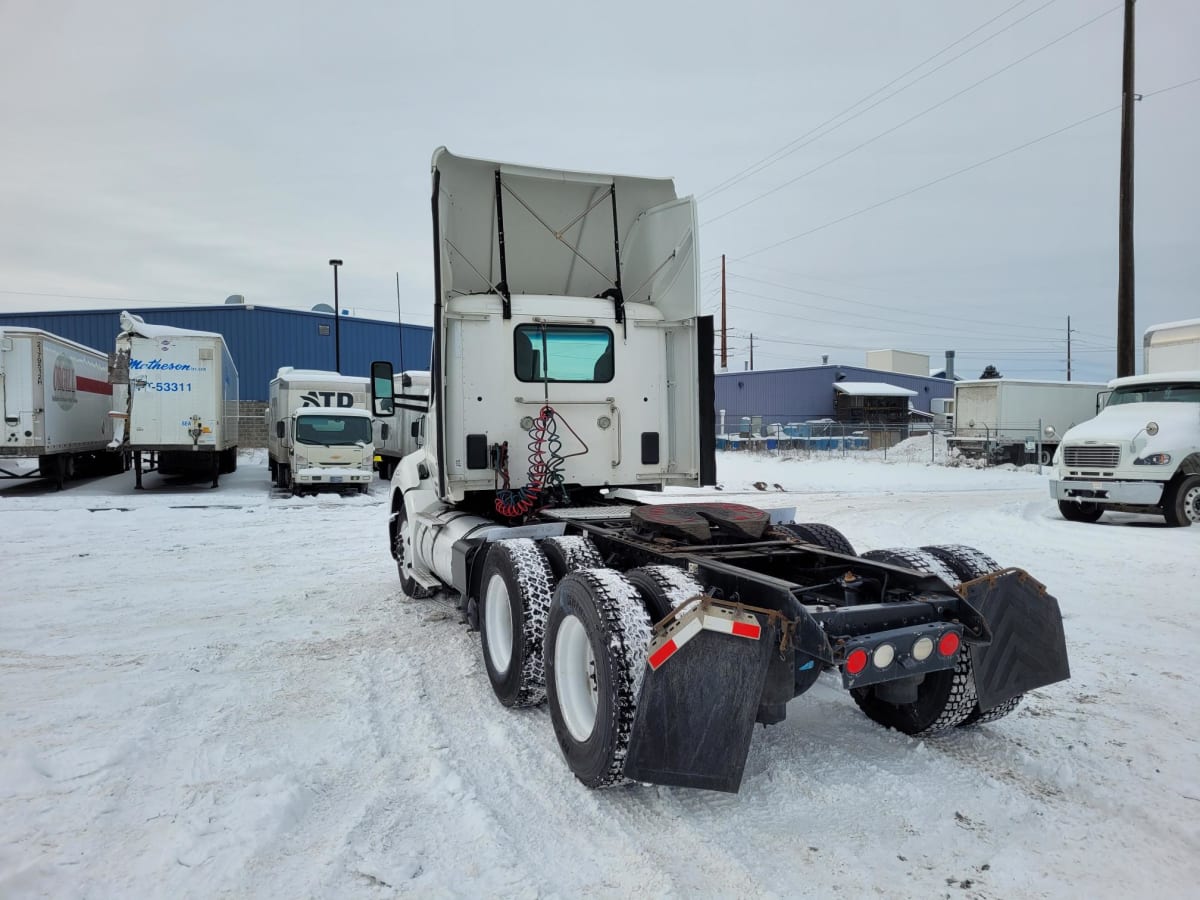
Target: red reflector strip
[(662, 654), (747, 630)]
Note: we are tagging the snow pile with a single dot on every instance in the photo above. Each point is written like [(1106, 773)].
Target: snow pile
[(257, 711)]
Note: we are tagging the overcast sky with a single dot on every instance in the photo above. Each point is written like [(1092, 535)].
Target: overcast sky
[(177, 153)]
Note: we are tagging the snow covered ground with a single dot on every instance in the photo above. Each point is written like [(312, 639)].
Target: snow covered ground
[(225, 693)]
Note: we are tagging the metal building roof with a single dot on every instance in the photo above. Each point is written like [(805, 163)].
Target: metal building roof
[(261, 339)]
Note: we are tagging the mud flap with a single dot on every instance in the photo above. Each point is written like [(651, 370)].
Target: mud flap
[(696, 712), (1028, 648)]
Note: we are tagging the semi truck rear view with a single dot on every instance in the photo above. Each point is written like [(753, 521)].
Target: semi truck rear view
[(571, 380), (55, 399), (175, 394)]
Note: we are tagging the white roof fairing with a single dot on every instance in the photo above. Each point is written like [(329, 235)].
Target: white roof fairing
[(559, 238)]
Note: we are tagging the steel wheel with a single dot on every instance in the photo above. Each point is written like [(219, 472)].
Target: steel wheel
[(575, 665), (497, 619)]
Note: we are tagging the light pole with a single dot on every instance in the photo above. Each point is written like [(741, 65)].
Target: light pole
[(337, 321)]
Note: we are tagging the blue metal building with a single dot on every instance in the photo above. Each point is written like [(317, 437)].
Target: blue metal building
[(260, 339), (800, 395)]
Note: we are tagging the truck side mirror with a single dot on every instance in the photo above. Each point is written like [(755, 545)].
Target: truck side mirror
[(415, 429), (383, 389), (384, 431), (279, 429)]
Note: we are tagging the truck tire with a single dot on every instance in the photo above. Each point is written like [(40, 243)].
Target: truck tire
[(822, 535), (968, 564), (1080, 510), (1181, 505), (271, 465), (663, 588), (570, 553), (285, 476), (597, 638), (945, 698), (408, 584), (514, 600)]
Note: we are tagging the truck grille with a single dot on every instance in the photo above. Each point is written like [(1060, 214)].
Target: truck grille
[(1100, 457)]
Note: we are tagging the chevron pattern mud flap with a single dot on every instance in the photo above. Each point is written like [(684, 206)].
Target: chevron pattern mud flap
[(696, 712), (1028, 647)]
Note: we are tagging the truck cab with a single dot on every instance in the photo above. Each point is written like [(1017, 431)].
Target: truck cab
[(1140, 454), (329, 448)]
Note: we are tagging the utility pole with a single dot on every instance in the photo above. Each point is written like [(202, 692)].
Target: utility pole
[(752, 351), (1068, 348), (724, 352), (1125, 318), (337, 321)]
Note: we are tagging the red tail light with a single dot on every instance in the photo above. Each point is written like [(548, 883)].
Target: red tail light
[(856, 661), (948, 644)]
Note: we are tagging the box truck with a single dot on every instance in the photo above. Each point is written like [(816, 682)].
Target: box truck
[(55, 398), (1141, 453), (319, 431), (411, 404), (175, 395), (1008, 420)]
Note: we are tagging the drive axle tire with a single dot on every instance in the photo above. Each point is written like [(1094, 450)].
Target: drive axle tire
[(663, 588), (514, 599), (822, 535), (1181, 505), (401, 550), (944, 698), (596, 644), (968, 564), (1080, 510), (570, 553)]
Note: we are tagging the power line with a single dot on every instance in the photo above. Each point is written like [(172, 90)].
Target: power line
[(962, 171), (929, 184), (771, 158), (911, 119)]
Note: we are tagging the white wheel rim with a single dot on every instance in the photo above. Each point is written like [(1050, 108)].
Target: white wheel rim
[(1191, 505), (497, 619), (575, 678)]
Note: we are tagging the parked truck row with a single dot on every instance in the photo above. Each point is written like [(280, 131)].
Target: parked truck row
[(568, 345)]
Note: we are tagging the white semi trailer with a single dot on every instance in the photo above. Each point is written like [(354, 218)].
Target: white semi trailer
[(175, 395), (1142, 452), (319, 431), (1011, 420), (55, 399), (571, 373)]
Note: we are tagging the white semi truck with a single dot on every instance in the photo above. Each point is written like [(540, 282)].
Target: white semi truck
[(571, 380), (1011, 420), (319, 431), (411, 405), (175, 395), (55, 399), (1141, 454)]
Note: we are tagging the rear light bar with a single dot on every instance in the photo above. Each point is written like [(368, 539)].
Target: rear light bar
[(899, 653), (708, 615)]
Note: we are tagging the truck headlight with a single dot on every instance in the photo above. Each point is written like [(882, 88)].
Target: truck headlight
[(1154, 459)]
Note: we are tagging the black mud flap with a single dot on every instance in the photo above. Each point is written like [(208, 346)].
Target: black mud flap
[(1028, 647), (695, 714)]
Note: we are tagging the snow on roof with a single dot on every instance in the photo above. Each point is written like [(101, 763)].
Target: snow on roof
[(333, 411), (318, 375), (871, 389), (136, 325)]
